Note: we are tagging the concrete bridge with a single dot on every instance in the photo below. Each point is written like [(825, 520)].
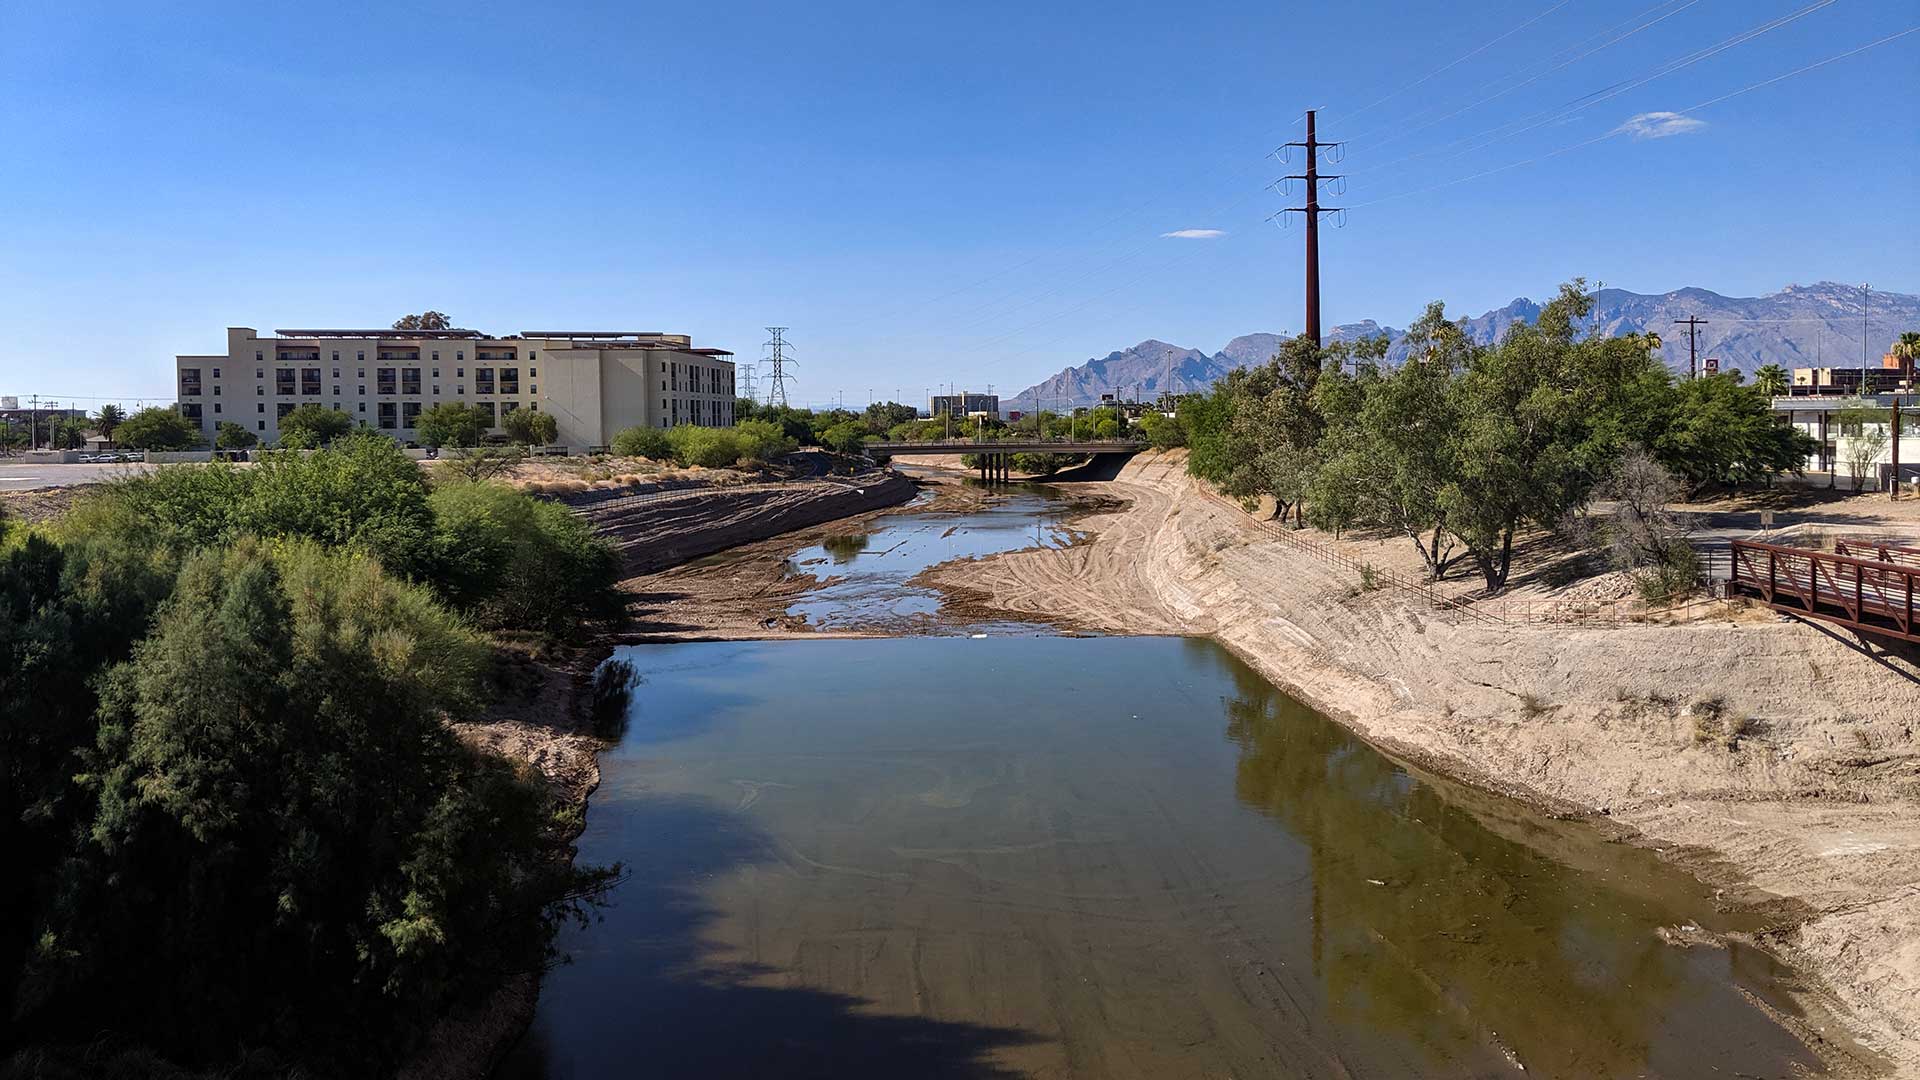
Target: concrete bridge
[(996, 457)]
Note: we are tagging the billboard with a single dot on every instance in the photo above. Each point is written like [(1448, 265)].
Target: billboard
[(8, 401)]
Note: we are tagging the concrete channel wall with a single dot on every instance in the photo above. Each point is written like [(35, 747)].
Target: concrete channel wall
[(656, 534)]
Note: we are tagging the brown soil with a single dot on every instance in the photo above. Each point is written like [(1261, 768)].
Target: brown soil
[(1774, 759)]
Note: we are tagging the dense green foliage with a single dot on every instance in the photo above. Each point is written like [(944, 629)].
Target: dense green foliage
[(451, 423), (712, 448), (530, 427), (1464, 445), (238, 826), (232, 436), (311, 426), (156, 428), (521, 563)]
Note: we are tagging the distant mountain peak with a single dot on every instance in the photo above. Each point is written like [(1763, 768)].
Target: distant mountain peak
[(1801, 325)]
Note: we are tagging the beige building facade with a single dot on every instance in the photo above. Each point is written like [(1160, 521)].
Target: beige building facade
[(594, 384)]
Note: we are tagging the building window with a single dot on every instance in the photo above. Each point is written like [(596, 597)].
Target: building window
[(336, 371), (533, 373), (461, 355), (409, 414), (258, 356), (458, 373), (436, 358), (483, 380), (360, 358), (310, 381), (262, 425), (282, 409), (533, 388), (260, 391), (363, 408), (216, 389), (360, 373), (436, 371), (216, 408), (384, 379), (461, 390), (259, 373), (283, 381), (509, 380), (336, 389), (361, 389), (336, 359), (436, 389), (387, 415), (507, 407), (410, 380)]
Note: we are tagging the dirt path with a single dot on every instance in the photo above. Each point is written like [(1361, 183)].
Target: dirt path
[(1773, 759)]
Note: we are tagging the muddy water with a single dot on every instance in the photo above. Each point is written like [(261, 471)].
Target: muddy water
[(1103, 857), (867, 576)]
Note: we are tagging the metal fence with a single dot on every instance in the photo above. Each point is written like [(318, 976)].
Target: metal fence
[(666, 490)]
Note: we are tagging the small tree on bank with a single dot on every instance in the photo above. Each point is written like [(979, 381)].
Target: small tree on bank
[(231, 436), (530, 427), (452, 423), (157, 428)]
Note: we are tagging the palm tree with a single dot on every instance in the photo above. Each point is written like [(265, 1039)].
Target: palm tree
[(1771, 380), (1907, 349), (108, 418)]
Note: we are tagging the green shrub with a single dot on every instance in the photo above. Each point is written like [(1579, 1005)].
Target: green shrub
[(288, 847), (763, 440), (643, 442), (312, 426), (157, 428), (710, 448), (517, 562), (847, 437)]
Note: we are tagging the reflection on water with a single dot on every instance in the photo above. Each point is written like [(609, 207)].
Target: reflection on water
[(1098, 857), (867, 574)]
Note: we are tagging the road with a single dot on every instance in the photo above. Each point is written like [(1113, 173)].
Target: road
[(22, 476)]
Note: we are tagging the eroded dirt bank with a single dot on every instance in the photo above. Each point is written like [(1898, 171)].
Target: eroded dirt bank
[(1807, 805)]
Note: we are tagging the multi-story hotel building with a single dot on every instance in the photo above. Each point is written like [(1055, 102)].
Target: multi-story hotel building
[(594, 384)]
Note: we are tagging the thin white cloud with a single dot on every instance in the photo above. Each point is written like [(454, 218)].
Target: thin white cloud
[(1659, 125), (1194, 234)]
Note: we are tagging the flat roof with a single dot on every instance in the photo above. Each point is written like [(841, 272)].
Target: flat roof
[(388, 332), (597, 333)]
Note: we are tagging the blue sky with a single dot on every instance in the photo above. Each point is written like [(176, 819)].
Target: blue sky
[(923, 193)]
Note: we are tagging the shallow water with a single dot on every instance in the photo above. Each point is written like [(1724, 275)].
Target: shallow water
[(868, 574), (1126, 857)]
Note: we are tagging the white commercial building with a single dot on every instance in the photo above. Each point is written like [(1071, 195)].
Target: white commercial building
[(594, 384)]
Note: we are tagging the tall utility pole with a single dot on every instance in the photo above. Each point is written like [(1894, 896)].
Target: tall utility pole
[(1312, 210), (1693, 326), (747, 372), (1866, 289), (777, 388)]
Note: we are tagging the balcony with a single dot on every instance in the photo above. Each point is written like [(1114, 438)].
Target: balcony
[(495, 356), (297, 357)]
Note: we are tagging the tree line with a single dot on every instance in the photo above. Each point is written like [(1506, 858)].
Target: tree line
[(242, 838), (1465, 445)]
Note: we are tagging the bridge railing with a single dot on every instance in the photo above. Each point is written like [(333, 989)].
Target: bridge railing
[(1873, 595)]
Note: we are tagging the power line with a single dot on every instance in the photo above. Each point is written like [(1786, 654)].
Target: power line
[(1571, 107), (1456, 62), (1569, 62), (1616, 132)]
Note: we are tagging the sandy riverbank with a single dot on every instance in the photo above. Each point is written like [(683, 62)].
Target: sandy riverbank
[(1811, 811)]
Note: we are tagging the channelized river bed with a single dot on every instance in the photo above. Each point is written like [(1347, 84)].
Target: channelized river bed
[(1092, 857)]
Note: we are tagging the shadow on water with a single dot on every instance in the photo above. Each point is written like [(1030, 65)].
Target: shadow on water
[(1433, 921), (642, 999)]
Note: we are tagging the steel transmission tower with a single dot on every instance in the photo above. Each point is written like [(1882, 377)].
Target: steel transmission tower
[(777, 380), (747, 372), (1312, 211)]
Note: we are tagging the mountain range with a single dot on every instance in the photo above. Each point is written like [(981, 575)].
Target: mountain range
[(1799, 326)]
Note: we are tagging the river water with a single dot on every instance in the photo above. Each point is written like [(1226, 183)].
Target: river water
[(1026, 855)]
